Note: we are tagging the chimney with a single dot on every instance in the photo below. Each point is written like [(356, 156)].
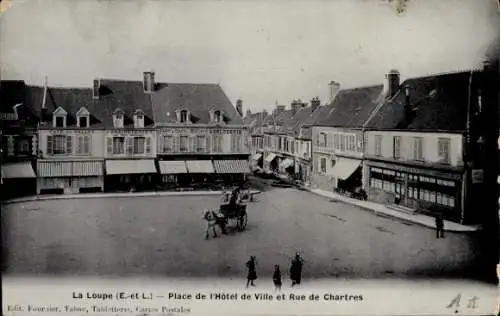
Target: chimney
[(149, 81), (295, 106), (239, 107), (278, 110), (264, 114), (407, 107), (43, 113), (248, 113), (334, 89), (315, 103), (391, 83), (96, 88)]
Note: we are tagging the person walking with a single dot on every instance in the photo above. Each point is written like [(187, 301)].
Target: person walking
[(296, 269), (439, 226), (277, 277), (252, 271)]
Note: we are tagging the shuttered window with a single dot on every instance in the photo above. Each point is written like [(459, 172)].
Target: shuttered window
[(49, 145), (129, 144), (148, 145), (109, 145), (69, 145)]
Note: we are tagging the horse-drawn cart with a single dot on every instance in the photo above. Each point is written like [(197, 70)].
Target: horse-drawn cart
[(236, 212)]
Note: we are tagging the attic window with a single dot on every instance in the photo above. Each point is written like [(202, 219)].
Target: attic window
[(83, 117), (217, 116), (139, 119), (184, 116), (118, 119), (59, 117), (60, 121), (83, 121)]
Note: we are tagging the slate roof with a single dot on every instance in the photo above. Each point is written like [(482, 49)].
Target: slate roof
[(439, 103), (351, 108), (129, 96), (198, 98)]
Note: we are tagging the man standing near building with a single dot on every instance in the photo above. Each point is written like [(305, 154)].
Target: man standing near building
[(439, 226)]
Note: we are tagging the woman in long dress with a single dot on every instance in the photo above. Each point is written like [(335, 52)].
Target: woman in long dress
[(252, 271)]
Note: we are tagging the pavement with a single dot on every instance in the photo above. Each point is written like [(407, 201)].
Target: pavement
[(165, 236), (416, 218)]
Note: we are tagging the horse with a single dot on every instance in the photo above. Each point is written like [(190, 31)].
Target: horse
[(214, 219)]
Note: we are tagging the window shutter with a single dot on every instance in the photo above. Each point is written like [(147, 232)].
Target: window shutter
[(148, 145), (86, 145), (69, 145), (176, 143), (129, 145), (49, 144), (109, 145), (79, 144)]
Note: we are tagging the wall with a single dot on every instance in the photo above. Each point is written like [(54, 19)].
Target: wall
[(97, 144), (430, 146), (334, 144)]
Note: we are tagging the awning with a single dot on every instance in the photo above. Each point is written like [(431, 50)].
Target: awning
[(172, 167), (344, 167), (256, 156), (54, 169), (200, 166), (130, 166), (286, 163), (231, 166), (18, 170), (270, 157), (88, 168)]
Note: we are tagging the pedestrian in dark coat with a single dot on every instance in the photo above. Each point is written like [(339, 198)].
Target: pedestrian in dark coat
[(439, 226), (296, 269), (277, 277), (252, 271)]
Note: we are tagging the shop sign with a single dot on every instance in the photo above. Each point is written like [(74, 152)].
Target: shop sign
[(477, 176)]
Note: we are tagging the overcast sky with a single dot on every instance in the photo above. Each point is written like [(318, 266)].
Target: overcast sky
[(260, 52)]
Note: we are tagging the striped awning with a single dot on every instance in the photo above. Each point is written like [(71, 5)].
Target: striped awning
[(18, 170), (200, 166), (286, 163), (231, 166), (54, 169), (257, 156), (172, 167), (132, 166), (88, 168), (270, 157)]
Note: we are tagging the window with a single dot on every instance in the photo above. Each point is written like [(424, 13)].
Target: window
[(139, 120), (83, 121), (183, 143), (118, 145), (378, 145), (292, 149), (342, 142), (217, 116), (200, 143), (184, 116), (148, 145), (397, 147), (23, 145), (59, 145), (168, 144), (418, 149), (444, 149), (336, 140), (352, 143), (139, 143), (333, 163), (323, 165), (118, 119), (235, 143), (60, 121), (217, 143), (83, 145)]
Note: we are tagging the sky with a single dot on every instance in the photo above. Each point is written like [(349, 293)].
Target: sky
[(260, 51)]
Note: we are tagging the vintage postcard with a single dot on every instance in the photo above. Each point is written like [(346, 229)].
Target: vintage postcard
[(249, 157)]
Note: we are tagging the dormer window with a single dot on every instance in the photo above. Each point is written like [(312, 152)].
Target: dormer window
[(217, 116), (183, 116), (118, 116), (83, 117), (139, 119), (59, 118)]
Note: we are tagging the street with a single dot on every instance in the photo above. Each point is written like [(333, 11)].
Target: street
[(165, 236)]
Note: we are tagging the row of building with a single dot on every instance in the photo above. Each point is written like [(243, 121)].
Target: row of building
[(423, 144), (119, 135)]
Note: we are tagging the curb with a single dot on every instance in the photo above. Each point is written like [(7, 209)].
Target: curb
[(401, 219)]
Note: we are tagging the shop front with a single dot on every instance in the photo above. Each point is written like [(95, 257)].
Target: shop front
[(18, 179), (173, 174), (201, 172), (69, 177), (271, 163), (257, 161), (130, 175), (232, 170), (347, 173), (427, 190), (287, 167)]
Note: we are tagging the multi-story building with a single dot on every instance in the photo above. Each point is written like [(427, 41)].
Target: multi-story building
[(18, 141), (274, 138), (425, 147), (254, 121), (338, 137), (201, 135)]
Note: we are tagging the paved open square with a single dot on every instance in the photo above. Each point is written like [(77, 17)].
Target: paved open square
[(165, 236)]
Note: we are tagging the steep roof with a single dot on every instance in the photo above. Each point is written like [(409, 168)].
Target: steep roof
[(439, 102), (197, 98), (12, 92), (351, 107)]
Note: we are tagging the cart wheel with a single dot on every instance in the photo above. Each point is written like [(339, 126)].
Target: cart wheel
[(242, 222)]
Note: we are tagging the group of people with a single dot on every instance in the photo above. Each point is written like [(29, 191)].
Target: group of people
[(295, 272)]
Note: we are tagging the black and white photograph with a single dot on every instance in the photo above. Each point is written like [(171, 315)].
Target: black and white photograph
[(271, 144)]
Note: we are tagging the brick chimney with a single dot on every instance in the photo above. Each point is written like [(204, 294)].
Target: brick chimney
[(315, 103), (295, 106), (239, 107), (95, 89), (149, 81), (391, 83), (334, 88)]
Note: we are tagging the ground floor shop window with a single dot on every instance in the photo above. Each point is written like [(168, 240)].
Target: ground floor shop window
[(169, 178), (383, 179)]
